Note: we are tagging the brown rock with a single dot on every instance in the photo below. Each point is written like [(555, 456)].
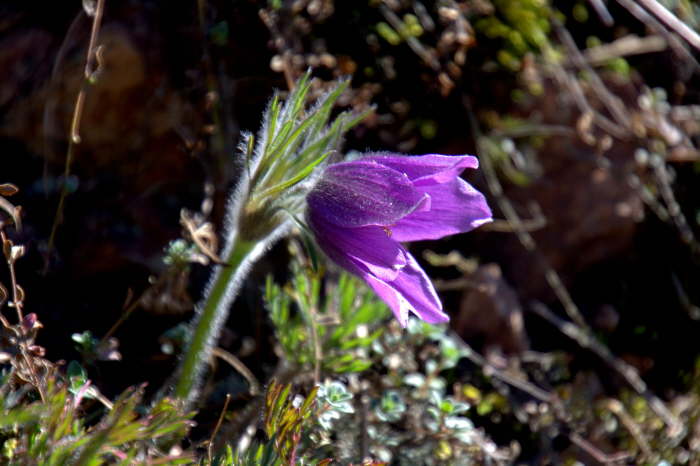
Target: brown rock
[(591, 209), (490, 311)]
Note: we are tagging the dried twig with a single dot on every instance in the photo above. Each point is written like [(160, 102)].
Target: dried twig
[(648, 197), (672, 22), (528, 130), (514, 219), (676, 429), (623, 47), (692, 310), (254, 385), (270, 18), (618, 409), (652, 23), (598, 455), (490, 370), (28, 358), (541, 395), (674, 209), (612, 102), (210, 445), (602, 10), (571, 84), (425, 54), (537, 222), (92, 68)]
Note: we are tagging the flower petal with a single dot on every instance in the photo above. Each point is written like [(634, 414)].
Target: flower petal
[(361, 193), (427, 169), (410, 291), (397, 303), (456, 207), (360, 250)]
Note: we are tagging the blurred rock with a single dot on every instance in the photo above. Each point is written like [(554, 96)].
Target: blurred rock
[(592, 211), (606, 318), (490, 312), (136, 132)]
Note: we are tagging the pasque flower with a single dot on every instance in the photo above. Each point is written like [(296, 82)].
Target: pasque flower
[(277, 169), (361, 211)]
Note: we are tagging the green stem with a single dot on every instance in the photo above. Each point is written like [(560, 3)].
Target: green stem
[(223, 289)]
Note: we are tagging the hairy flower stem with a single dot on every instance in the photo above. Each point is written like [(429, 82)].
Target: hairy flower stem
[(223, 288)]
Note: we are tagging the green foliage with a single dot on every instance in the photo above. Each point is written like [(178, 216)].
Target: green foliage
[(409, 26), (522, 25), (283, 420), (56, 431), (337, 330), (518, 166), (178, 253), (91, 349), (408, 411), (337, 402), (258, 455), (288, 422), (414, 393)]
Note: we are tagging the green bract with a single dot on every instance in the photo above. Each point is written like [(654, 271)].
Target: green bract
[(281, 164)]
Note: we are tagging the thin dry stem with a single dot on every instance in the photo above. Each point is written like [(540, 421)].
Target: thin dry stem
[(624, 47), (539, 394), (672, 22), (652, 23), (489, 369), (125, 315), (602, 11), (233, 361), (523, 235), (19, 329), (17, 298), (537, 222), (210, 446), (676, 429), (598, 455), (674, 209), (416, 46), (90, 73), (612, 102), (316, 341), (618, 409)]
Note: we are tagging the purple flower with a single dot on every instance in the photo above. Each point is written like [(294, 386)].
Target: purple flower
[(360, 211)]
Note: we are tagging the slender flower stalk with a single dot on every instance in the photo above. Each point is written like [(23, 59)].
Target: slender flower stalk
[(226, 280), (280, 168), (360, 211)]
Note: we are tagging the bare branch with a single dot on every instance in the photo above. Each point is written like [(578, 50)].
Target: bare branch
[(676, 429), (602, 10), (673, 22), (514, 219), (233, 361), (612, 102), (623, 47), (652, 23)]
